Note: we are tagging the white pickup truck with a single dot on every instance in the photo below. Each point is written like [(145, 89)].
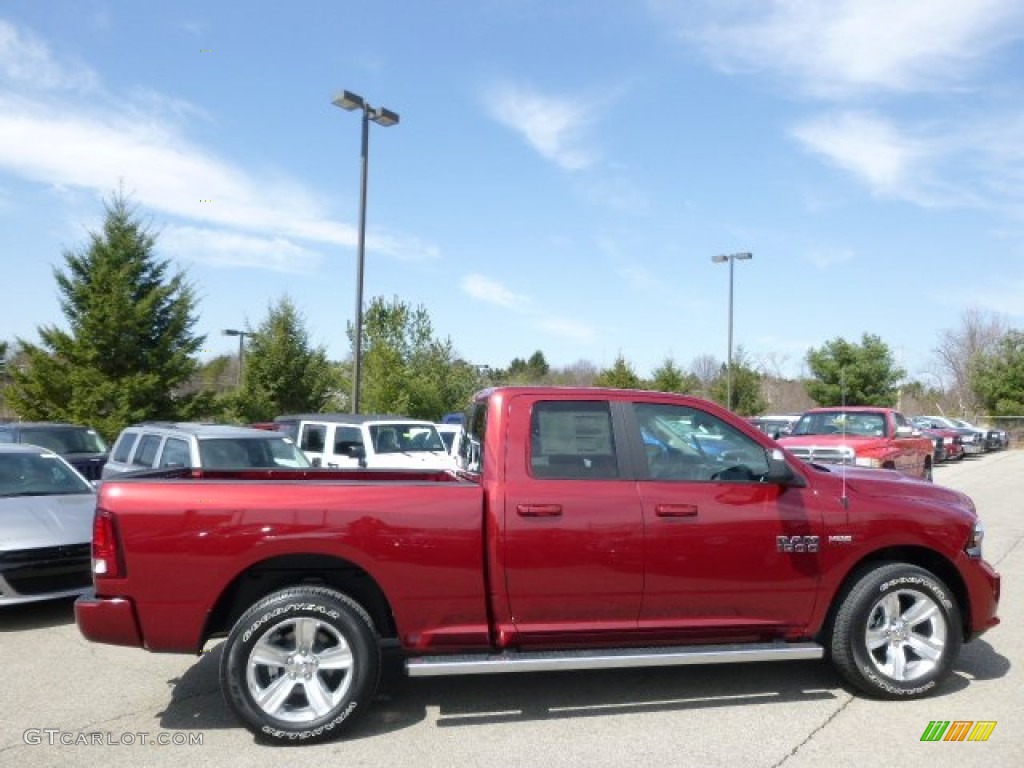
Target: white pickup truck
[(372, 441)]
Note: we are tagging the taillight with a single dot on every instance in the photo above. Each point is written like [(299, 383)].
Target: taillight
[(106, 556)]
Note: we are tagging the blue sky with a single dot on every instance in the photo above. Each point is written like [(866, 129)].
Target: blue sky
[(562, 174)]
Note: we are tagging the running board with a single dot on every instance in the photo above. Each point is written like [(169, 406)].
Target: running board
[(609, 658)]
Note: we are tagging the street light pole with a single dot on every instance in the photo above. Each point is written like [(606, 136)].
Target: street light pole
[(241, 349), (732, 257), (385, 117)]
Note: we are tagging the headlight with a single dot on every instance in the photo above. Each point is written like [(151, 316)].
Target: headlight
[(973, 546), (863, 461)]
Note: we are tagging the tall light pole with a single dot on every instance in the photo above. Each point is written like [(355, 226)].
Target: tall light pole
[(241, 348), (732, 257), (385, 117)]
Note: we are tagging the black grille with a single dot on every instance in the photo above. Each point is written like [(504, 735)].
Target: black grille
[(49, 569)]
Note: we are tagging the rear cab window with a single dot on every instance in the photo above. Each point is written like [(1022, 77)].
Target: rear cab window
[(571, 440)]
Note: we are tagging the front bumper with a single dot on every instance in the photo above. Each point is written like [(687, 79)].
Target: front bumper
[(984, 587), (109, 620)]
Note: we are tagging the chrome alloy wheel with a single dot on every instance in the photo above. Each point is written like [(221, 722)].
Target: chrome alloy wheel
[(906, 634), (299, 670)]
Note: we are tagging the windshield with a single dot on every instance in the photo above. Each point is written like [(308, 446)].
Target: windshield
[(855, 423), (39, 474), (65, 440), (399, 437), (251, 452)]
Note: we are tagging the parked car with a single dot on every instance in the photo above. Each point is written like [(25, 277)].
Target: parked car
[(994, 439), (864, 436), (949, 444), (81, 446), (972, 440), (450, 434), (46, 515), (367, 440), (775, 425), (189, 444)]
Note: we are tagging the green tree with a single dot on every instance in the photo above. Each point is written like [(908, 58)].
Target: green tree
[(668, 377), (621, 375), (405, 369), (531, 371), (747, 398), (997, 377), (854, 374), (283, 372), (129, 345)]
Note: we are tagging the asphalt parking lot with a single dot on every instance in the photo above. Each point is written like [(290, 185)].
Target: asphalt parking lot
[(66, 701)]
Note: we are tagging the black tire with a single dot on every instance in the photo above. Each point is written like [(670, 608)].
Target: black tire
[(301, 664), (897, 632)]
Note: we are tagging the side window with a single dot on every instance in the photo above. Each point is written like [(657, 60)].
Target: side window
[(314, 437), (572, 439), (347, 440), (6, 436), (176, 453), (124, 446), (471, 455), (145, 454), (688, 444)]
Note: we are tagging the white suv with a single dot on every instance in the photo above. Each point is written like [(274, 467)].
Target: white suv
[(373, 441), (213, 446)]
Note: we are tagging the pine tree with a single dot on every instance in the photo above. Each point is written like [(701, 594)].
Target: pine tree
[(283, 372), (129, 342)]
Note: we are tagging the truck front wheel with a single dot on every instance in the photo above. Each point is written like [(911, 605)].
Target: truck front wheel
[(897, 632), (300, 664)]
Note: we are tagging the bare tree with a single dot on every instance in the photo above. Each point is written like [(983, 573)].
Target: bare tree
[(707, 370), (978, 332)]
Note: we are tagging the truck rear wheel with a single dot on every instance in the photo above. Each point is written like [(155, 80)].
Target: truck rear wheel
[(897, 632), (300, 664)]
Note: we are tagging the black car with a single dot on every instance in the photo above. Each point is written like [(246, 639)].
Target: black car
[(82, 447)]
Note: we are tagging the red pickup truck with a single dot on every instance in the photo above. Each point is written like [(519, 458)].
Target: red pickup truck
[(586, 528), (863, 436)]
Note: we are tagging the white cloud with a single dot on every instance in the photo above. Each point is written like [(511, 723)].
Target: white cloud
[(825, 258), (232, 249), (26, 60), (868, 146), (569, 329), (832, 48), (553, 126), (491, 291), (49, 136)]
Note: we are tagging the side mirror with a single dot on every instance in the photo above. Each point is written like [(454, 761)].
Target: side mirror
[(357, 452), (905, 432), (780, 473), (316, 461)]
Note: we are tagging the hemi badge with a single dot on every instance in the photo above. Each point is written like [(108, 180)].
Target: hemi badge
[(844, 539)]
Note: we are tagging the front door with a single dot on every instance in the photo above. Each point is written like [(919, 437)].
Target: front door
[(725, 555)]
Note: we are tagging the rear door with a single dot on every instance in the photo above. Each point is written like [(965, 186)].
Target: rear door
[(572, 543)]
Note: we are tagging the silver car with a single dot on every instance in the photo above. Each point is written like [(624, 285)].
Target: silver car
[(46, 512)]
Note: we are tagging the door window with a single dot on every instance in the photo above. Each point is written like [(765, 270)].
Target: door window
[(176, 453), (145, 454), (689, 444), (314, 437), (572, 439)]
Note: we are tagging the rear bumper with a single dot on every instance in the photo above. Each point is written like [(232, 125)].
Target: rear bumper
[(109, 620)]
